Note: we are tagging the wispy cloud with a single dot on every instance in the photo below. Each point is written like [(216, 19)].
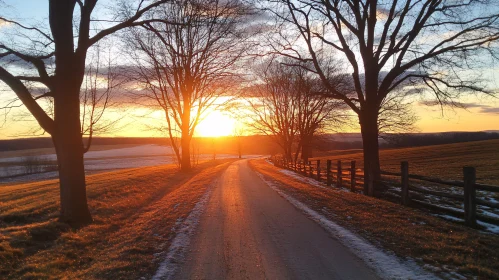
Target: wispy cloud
[(4, 23), (490, 110), (486, 109)]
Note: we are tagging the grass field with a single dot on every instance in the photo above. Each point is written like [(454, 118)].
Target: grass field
[(407, 232), (442, 161), (135, 212)]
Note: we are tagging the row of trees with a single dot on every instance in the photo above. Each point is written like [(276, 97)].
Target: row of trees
[(440, 46), (292, 106), (333, 58), (180, 54)]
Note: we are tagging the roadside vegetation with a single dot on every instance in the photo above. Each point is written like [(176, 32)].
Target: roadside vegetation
[(135, 215), (438, 245)]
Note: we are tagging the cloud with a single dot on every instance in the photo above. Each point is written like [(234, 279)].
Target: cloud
[(13, 60), (4, 23), (451, 103), (485, 109), (490, 110), (382, 14)]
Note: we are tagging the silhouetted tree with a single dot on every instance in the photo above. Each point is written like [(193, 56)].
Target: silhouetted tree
[(185, 68), (274, 108), (96, 96), (291, 106), (317, 113), (388, 46), (238, 133), (56, 56)]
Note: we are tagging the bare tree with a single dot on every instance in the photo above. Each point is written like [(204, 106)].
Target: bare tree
[(396, 115), (237, 134), (390, 45), (317, 113), (273, 107), (292, 106), (55, 55), (96, 96), (186, 68)]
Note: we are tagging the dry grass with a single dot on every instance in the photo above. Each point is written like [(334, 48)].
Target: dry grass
[(134, 210), (405, 231), (442, 161)]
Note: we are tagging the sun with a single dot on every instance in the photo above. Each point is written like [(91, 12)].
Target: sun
[(216, 124)]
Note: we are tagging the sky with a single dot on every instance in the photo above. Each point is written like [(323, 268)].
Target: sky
[(482, 113)]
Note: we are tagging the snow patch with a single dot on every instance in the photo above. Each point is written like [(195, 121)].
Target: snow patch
[(386, 265), (300, 178), (181, 242), (490, 227), (31, 177)]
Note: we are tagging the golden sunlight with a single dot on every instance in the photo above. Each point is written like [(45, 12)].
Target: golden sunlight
[(216, 124)]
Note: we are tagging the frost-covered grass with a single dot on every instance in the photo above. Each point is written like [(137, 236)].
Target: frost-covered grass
[(448, 248), (304, 179), (135, 215)]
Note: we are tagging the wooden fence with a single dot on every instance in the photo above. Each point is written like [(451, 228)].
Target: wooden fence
[(400, 187), (351, 177)]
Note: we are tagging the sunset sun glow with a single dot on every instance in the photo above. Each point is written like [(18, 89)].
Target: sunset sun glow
[(216, 124)]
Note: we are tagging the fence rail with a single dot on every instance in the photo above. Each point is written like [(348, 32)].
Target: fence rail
[(343, 175)]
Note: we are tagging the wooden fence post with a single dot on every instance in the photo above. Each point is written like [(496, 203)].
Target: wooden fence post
[(339, 175), (404, 170), (469, 196), (318, 170), (352, 176), (329, 179)]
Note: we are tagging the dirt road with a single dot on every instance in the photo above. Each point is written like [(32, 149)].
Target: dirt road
[(249, 232)]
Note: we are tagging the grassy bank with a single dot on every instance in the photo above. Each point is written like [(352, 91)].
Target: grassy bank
[(135, 212), (406, 232)]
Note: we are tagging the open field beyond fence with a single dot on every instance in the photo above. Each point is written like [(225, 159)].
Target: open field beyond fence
[(441, 161)]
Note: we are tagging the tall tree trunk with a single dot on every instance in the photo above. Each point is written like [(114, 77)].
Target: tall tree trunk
[(186, 154), (239, 148), (369, 130), (67, 138), (289, 151), (298, 151), (306, 150), (185, 141), (68, 144)]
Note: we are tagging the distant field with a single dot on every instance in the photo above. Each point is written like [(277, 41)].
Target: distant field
[(442, 161), (48, 151)]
